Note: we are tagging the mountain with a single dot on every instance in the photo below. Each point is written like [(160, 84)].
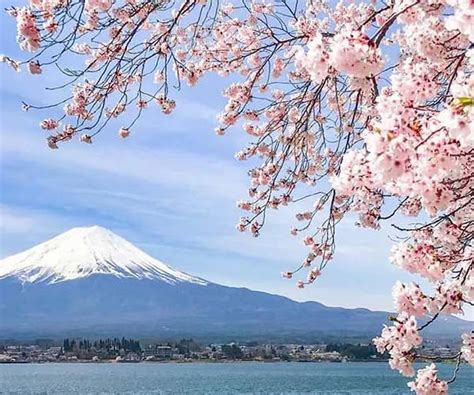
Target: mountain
[(83, 252), (90, 281)]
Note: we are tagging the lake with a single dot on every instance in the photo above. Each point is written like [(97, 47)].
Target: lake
[(214, 378)]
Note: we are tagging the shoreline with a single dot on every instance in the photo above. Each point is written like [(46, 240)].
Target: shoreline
[(105, 362), (108, 362), (163, 362)]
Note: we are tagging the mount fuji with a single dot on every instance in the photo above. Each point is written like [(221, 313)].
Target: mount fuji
[(83, 252), (90, 281)]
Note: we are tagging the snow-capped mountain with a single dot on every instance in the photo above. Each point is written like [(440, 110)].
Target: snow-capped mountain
[(90, 281), (82, 252)]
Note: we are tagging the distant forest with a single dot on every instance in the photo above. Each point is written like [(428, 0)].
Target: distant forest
[(355, 351), (109, 345)]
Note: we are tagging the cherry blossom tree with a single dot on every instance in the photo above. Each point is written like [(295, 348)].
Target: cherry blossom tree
[(359, 107)]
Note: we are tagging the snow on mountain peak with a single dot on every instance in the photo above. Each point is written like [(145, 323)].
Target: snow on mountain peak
[(81, 252)]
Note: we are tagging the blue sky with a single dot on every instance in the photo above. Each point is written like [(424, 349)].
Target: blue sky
[(171, 190)]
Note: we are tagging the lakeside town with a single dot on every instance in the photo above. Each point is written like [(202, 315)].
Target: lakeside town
[(188, 350)]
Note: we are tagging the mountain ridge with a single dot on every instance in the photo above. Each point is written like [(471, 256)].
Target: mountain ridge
[(115, 292)]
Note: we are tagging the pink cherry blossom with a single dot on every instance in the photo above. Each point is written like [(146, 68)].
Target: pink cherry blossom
[(400, 340), (49, 124), (467, 348), (409, 299), (355, 54), (34, 67), (124, 132), (85, 138), (428, 383)]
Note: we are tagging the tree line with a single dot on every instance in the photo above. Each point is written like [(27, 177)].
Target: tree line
[(108, 344)]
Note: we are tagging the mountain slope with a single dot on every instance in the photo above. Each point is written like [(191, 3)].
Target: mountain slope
[(90, 281)]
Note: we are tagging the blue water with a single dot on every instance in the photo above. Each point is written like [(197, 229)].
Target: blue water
[(215, 378)]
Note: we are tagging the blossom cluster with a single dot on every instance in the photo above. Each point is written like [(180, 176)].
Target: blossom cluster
[(399, 340), (467, 348), (427, 382)]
